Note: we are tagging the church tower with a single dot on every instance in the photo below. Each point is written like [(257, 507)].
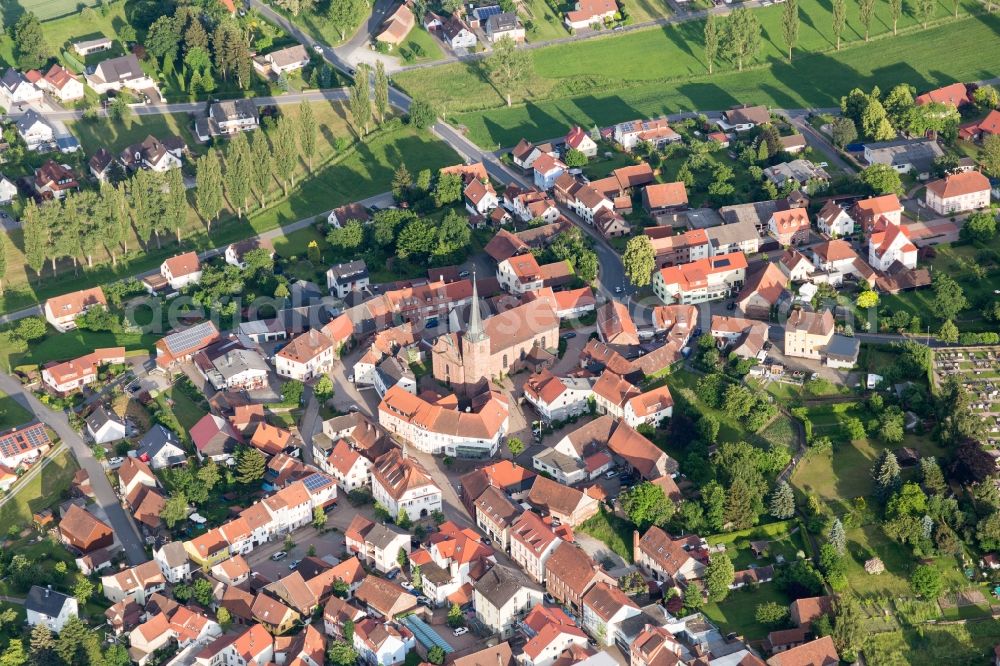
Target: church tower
[(475, 343)]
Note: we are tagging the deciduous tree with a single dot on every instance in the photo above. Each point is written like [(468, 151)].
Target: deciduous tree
[(711, 40), (381, 91), (742, 36), (719, 575), (307, 131), (646, 504), (790, 24), (361, 99), (238, 173), (283, 152), (508, 66), (208, 187), (639, 260), (866, 11), (839, 19)]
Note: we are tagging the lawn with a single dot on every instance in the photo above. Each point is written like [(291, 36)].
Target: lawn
[(113, 135), (614, 532), (357, 172), (545, 24), (642, 11), (71, 27), (187, 411), (785, 539), (660, 70), (682, 384), (65, 346), (313, 21), (42, 492), (420, 46), (736, 612), (43, 9), (933, 645), (12, 413)]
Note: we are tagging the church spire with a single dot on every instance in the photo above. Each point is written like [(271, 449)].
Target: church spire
[(475, 332)]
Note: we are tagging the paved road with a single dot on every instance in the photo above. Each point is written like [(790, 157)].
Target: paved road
[(121, 522), (310, 423)]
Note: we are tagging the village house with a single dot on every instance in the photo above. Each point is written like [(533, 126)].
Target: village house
[(181, 346), (382, 644), (956, 95), (35, 130), (122, 72), (44, 605), (656, 646), (868, 212), (439, 426), (663, 198), (567, 505), (547, 170), (818, 652), (558, 398), (347, 466), (904, 155), (834, 221), (342, 279), (802, 172), (306, 356), (495, 514), (836, 259), (173, 561), (744, 118), (764, 290), (504, 24), (53, 180), (578, 139), (400, 483), (789, 227), (521, 274), (604, 609), (104, 426), (83, 531), (214, 438), (502, 597), (397, 26), (525, 153), (808, 333), (656, 132), (15, 89), (957, 193), (282, 61), (457, 34), (480, 197), (226, 118), (230, 367), (252, 645), (531, 544), (375, 544), (570, 573), (795, 266), (71, 375), (8, 190), (153, 154), (887, 247), (136, 583), (684, 248), (588, 12), (702, 280), (550, 632), (743, 337), (383, 598), (62, 311), (669, 560), (181, 270)]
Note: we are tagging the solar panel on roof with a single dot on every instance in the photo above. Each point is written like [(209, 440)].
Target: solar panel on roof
[(721, 263), (316, 481), (188, 338), (486, 12)]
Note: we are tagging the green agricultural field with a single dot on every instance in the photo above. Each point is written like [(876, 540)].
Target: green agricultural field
[(338, 177), (43, 9), (661, 70), (12, 413)]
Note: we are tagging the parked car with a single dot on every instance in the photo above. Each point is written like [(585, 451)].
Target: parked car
[(392, 574), (116, 462), (423, 601), (318, 48), (280, 555), (293, 564), (464, 274), (568, 336), (460, 631), (610, 474), (618, 290)]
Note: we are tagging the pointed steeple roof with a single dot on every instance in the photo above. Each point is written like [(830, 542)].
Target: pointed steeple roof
[(475, 332)]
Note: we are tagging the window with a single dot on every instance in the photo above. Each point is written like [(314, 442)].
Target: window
[(505, 361)]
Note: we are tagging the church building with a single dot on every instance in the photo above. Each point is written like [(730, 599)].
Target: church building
[(494, 347)]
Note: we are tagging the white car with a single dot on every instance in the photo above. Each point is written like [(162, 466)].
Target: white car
[(116, 462), (461, 631), (280, 555), (318, 48)]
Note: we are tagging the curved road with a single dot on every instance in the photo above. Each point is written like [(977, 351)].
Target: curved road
[(122, 524)]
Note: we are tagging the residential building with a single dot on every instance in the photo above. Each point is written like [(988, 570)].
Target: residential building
[(808, 333), (763, 291), (282, 61), (397, 26), (181, 270), (136, 583), (104, 426), (339, 217), (153, 154), (834, 221), (502, 597), (8, 190), (868, 212), (795, 266), (383, 598), (568, 505), (347, 466), (789, 227), (480, 197), (83, 531), (381, 643), (53, 180), (656, 132), (504, 24), (669, 560), (836, 258), (521, 274), (307, 356), (550, 632), (683, 248), (702, 280), (578, 139), (15, 89), (343, 279), (604, 609), (456, 33), (122, 72), (547, 169), (740, 236), (664, 198), (375, 544), (887, 247), (23, 444), (743, 118), (570, 573), (495, 514), (248, 646), (37, 132), (399, 482), (958, 192), (656, 646), (173, 561), (802, 172), (46, 606), (182, 345), (229, 367), (818, 652), (214, 438), (71, 375), (531, 544), (588, 12), (955, 94), (525, 153), (558, 398)]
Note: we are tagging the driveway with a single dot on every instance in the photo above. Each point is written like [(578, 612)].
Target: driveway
[(358, 48), (125, 530)]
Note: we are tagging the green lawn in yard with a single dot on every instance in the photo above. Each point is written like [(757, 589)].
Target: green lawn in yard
[(929, 645), (614, 532), (43, 9), (296, 244), (682, 383), (187, 411), (660, 70), (648, 10), (601, 167), (12, 413), (313, 21), (784, 538), (41, 492), (359, 172), (781, 433), (66, 346), (420, 46), (545, 23), (736, 611), (105, 133)]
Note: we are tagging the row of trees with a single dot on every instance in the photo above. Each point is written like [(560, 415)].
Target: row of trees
[(369, 100)]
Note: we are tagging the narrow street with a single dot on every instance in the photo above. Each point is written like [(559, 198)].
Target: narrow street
[(124, 528)]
